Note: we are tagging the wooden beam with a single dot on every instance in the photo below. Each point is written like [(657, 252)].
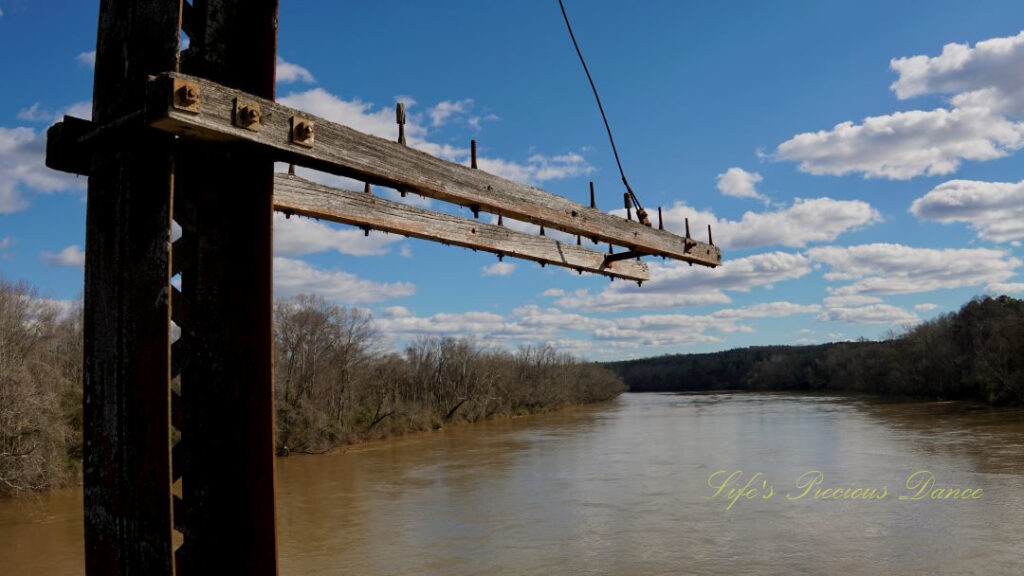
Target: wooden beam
[(224, 204), (294, 195), (342, 150), (126, 472)]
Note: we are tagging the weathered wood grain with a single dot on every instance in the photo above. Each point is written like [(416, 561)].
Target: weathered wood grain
[(126, 395), (345, 151), (224, 204), (293, 195)]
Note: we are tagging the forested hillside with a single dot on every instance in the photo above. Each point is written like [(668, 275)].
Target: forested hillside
[(976, 353)]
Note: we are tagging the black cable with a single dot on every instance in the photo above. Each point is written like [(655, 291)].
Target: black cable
[(641, 213)]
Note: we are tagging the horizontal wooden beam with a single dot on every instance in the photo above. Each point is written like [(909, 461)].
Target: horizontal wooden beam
[(294, 195), (67, 152), (215, 112)]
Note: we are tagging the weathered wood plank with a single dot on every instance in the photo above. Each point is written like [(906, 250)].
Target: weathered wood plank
[(342, 150), (126, 402), (226, 214), (295, 195)]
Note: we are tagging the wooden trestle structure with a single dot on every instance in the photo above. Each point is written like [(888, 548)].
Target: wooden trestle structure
[(179, 433)]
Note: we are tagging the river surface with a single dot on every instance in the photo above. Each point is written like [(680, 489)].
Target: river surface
[(628, 488)]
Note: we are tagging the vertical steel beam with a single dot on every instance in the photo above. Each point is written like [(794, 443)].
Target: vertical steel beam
[(227, 391), (126, 471)]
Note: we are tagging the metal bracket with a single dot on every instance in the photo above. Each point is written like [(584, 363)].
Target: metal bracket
[(622, 256), (303, 131), (187, 96), (246, 114)]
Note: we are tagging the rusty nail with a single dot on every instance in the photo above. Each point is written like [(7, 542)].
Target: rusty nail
[(500, 221), (710, 241), (629, 207), (472, 153), (541, 229), (367, 189), (291, 169), (593, 201), (661, 223)]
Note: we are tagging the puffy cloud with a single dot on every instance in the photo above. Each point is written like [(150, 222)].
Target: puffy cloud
[(925, 307), (499, 269), (904, 145), (22, 166), (987, 92), (899, 269), (579, 333), (804, 222), (538, 168), (740, 183), (288, 73), (998, 288), (70, 256), (988, 73), (292, 277), (296, 236), (446, 110), (994, 209), (676, 284), (36, 112), (870, 314)]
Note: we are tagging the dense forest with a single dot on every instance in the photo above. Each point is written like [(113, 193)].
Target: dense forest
[(976, 353), (336, 382)]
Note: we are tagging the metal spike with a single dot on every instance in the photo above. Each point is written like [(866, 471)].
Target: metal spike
[(710, 241), (472, 154), (661, 223), (400, 119), (291, 169), (367, 188), (593, 201), (629, 206), (541, 229), (500, 222)]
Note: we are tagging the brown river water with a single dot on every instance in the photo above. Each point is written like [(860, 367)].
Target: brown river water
[(629, 488)]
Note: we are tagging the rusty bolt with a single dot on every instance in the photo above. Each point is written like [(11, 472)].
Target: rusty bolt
[(303, 130), (188, 95), (249, 115)]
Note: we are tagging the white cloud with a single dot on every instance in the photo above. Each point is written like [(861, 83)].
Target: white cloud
[(899, 269), (802, 223), (6, 243), (676, 284), (499, 269), (70, 256), (553, 293), (904, 145), (579, 333), (538, 168), (988, 72), (994, 209), (370, 119), (292, 277), (22, 166), (36, 112), (1004, 287), (987, 90), (925, 307), (288, 73), (296, 236), (870, 314), (740, 183), (87, 58), (447, 110)]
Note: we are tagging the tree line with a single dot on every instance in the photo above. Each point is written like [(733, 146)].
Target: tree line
[(336, 381), (975, 353)]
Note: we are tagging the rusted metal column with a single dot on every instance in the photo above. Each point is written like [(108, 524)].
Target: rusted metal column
[(224, 193), (126, 468)]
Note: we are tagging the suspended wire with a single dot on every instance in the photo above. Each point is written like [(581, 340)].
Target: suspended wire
[(641, 213)]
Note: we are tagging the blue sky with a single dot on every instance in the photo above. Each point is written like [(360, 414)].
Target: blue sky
[(859, 161)]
